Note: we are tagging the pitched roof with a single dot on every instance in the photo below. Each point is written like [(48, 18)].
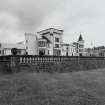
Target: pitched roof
[(13, 45), (49, 30), (80, 38), (45, 38)]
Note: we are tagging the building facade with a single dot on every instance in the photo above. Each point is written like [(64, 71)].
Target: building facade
[(96, 51), (50, 42), (80, 50), (5, 48), (69, 50), (31, 44), (80, 45), (45, 42)]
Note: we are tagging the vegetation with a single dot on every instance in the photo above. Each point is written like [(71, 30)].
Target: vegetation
[(73, 88)]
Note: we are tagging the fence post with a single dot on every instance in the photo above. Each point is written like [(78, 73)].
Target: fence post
[(14, 64)]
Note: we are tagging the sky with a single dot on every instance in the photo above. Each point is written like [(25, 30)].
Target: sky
[(73, 16)]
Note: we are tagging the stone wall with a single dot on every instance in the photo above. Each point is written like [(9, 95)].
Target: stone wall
[(79, 65), (50, 63), (67, 66)]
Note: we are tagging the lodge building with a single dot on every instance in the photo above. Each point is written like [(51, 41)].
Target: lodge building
[(47, 42), (50, 42)]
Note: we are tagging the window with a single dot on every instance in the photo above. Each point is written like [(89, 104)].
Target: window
[(56, 39), (26, 48), (19, 52), (48, 52), (81, 46), (56, 45), (41, 52), (26, 41), (41, 44), (80, 50), (57, 52), (51, 34), (48, 45)]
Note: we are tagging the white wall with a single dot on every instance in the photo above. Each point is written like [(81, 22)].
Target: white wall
[(31, 44), (71, 50), (55, 33), (7, 51), (64, 51), (5, 48)]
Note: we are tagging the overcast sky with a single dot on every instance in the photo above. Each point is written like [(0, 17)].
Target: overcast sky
[(73, 16)]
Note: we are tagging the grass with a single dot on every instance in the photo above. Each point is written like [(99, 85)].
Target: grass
[(75, 88)]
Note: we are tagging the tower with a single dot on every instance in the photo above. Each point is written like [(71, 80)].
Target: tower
[(80, 45), (31, 44)]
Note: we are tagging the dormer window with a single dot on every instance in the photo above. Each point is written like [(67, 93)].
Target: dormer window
[(51, 34)]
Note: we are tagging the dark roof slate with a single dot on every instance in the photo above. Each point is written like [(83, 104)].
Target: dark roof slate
[(44, 37), (80, 38)]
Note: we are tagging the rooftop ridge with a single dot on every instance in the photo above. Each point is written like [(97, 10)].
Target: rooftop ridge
[(50, 29)]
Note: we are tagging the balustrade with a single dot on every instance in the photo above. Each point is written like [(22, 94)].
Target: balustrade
[(46, 59)]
